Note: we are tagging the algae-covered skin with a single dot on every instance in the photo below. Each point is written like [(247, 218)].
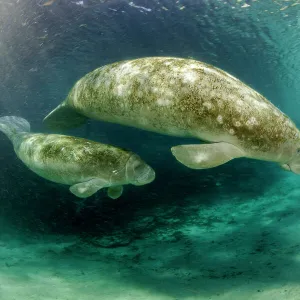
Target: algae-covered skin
[(85, 165), (188, 98), (69, 160)]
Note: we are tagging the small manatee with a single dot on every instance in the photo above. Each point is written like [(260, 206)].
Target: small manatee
[(84, 165), (184, 98)]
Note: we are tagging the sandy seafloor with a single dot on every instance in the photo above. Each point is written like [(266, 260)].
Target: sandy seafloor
[(231, 250)]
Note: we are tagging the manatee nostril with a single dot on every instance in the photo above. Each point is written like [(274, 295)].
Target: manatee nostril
[(139, 168)]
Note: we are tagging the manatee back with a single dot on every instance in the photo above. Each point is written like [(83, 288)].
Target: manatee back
[(183, 97)]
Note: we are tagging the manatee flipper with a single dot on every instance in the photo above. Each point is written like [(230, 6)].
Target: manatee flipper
[(64, 117), (87, 188), (206, 155), (115, 192)]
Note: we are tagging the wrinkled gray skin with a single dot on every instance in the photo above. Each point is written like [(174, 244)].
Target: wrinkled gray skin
[(186, 98), (85, 165)]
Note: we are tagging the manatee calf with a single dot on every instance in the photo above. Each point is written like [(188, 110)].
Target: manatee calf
[(85, 165), (185, 98)]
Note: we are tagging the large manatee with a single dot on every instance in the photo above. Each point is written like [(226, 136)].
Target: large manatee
[(186, 98), (85, 165)]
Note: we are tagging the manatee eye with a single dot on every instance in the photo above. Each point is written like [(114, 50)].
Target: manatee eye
[(298, 150)]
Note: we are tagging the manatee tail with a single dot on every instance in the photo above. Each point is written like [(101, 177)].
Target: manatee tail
[(12, 125), (64, 117)]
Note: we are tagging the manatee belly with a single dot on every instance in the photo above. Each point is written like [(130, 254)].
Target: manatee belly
[(182, 97)]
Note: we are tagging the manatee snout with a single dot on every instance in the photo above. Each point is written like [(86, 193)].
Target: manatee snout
[(138, 172)]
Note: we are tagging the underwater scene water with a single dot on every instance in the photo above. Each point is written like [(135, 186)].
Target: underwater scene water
[(169, 166)]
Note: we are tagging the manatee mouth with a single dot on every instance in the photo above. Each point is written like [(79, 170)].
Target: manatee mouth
[(146, 176)]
